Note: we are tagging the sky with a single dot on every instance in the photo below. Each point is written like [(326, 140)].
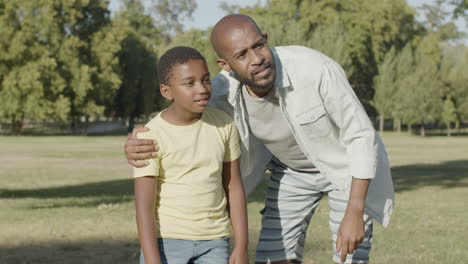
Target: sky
[(208, 12)]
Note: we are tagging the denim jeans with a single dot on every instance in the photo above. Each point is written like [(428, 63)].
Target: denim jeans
[(177, 251)]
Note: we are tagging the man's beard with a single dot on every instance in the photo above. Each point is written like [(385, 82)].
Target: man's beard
[(255, 86)]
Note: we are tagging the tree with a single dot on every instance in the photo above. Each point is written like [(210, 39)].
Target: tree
[(200, 40), (356, 33), (385, 85), (138, 95), (419, 90), (170, 13), (448, 114), (454, 79), (56, 59)]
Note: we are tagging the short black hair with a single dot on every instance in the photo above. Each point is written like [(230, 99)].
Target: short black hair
[(175, 56)]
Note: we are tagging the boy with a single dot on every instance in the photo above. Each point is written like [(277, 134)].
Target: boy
[(192, 192)]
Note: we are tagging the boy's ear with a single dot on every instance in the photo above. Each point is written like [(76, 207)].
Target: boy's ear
[(166, 92), (224, 65)]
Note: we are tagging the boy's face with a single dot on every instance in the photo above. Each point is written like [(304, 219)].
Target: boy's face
[(189, 86)]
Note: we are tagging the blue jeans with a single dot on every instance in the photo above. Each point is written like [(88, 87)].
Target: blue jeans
[(177, 251)]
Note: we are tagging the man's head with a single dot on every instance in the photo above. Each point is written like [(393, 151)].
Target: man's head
[(244, 50)]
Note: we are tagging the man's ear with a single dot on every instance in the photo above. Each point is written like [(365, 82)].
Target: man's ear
[(166, 92), (224, 65), (265, 36)]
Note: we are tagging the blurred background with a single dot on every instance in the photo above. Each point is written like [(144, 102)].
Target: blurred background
[(66, 64), (72, 70)]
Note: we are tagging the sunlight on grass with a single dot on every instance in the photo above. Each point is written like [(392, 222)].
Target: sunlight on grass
[(70, 200)]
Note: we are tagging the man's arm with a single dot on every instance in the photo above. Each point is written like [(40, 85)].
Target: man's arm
[(351, 232), (237, 209), (139, 149), (145, 189), (358, 135)]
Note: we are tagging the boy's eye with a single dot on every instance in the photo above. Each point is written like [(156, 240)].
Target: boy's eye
[(207, 81), (189, 83)]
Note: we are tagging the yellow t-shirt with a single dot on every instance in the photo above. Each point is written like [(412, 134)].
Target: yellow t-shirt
[(190, 199)]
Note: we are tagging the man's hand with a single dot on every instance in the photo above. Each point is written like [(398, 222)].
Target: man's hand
[(239, 256), (139, 149), (350, 234)]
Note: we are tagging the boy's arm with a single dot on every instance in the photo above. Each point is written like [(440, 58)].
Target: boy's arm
[(237, 209), (145, 189)]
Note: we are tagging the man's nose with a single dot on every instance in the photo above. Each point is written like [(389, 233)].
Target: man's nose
[(256, 58)]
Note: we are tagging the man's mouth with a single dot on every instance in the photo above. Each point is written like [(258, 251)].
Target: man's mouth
[(265, 70)]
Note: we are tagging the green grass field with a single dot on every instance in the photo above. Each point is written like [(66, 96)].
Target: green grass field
[(70, 200)]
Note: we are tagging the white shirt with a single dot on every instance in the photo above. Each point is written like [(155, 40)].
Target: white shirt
[(267, 123), (327, 120)]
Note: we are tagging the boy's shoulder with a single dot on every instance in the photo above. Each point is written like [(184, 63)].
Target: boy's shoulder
[(154, 122), (153, 125)]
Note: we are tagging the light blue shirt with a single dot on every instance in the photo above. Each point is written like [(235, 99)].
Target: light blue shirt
[(325, 117)]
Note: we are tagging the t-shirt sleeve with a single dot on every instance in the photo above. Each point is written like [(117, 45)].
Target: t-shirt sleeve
[(152, 169), (232, 149)]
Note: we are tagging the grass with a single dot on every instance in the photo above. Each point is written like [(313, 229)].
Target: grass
[(70, 200)]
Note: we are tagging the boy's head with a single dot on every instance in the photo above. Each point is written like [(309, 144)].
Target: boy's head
[(184, 79)]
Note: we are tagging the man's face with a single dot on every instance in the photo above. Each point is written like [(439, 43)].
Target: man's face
[(247, 54)]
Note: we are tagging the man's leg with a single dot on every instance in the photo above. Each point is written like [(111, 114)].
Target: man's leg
[(291, 200), (338, 201)]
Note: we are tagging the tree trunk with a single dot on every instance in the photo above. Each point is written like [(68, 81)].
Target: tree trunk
[(448, 130), (423, 130), (398, 125), (17, 124), (131, 123), (381, 123), (457, 126)]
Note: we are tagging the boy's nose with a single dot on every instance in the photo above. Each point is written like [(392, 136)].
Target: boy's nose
[(201, 88)]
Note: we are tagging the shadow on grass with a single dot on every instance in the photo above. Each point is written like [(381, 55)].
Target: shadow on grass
[(446, 175), (116, 191), (409, 177), (72, 252)]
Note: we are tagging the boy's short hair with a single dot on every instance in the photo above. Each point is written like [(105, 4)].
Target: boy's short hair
[(175, 56)]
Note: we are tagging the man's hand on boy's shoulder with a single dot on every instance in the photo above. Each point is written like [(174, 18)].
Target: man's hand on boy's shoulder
[(139, 149), (239, 256)]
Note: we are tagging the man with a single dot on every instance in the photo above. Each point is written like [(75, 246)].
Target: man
[(297, 115)]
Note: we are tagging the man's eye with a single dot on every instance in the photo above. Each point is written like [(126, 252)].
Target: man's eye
[(260, 45), (241, 56)]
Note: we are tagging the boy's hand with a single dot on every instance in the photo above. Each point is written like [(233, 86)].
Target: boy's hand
[(239, 256), (350, 234), (139, 149)]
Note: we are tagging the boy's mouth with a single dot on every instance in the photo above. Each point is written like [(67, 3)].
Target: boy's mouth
[(203, 101)]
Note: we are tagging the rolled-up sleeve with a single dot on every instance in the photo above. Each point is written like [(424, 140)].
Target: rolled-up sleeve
[(355, 128)]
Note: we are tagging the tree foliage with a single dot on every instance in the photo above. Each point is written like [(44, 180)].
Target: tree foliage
[(357, 34), (57, 59), (138, 94)]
